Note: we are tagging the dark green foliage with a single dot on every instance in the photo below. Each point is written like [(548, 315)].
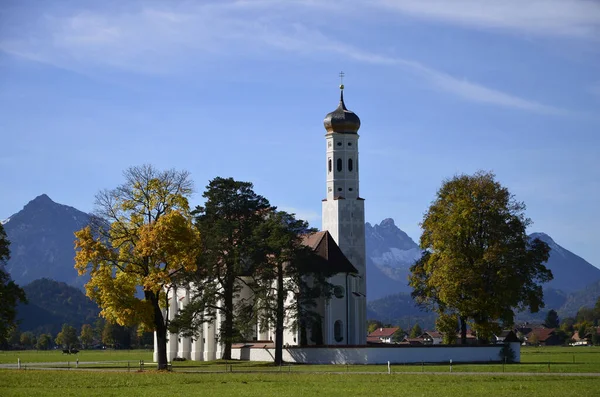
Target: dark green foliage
[(416, 331), (44, 342), (226, 222), (10, 293), (552, 320), (67, 337), (507, 354)]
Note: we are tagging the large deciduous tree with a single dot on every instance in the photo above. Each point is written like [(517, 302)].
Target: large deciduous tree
[(142, 237), (10, 293), (478, 262), (227, 221)]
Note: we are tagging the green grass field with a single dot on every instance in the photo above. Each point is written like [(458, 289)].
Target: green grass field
[(74, 383), (111, 377)]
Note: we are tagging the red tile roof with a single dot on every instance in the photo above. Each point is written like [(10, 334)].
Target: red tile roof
[(541, 333), (323, 244), (383, 332)]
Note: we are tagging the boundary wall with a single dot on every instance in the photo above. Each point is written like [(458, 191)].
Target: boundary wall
[(395, 354)]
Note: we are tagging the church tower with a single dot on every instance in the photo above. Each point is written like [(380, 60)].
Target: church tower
[(344, 211)]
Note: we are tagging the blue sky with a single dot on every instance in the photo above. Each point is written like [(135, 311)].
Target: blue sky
[(240, 88)]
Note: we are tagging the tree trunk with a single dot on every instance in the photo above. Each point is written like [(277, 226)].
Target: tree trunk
[(227, 327), (463, 331), (161, 332), (279, 320)]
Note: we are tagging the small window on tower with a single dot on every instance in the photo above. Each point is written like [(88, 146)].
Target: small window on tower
[(329, 166), (339, 165), (339, 189), (349, 143), (350, 189), (350, 164), (339, 143)]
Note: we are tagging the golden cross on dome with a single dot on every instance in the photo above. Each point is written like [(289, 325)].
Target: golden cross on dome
[(341, 80)]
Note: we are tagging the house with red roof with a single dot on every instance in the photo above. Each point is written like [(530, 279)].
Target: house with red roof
[(543, 337), (382, 335)]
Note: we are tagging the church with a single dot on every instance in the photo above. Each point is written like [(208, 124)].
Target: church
[(341, 245)]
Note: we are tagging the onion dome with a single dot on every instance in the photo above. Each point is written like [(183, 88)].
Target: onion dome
[(342, 120)]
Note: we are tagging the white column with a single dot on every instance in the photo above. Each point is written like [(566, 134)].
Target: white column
[(186, 342), (209, 341), (198, 346), (218, 344), (155, 353), (172, 342)]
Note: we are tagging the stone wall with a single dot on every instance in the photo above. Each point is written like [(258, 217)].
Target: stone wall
[(379, 355)]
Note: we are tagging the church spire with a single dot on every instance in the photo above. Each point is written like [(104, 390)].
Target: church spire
[(342, 120)]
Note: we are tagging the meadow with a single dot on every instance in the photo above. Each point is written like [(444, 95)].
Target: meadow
[(546, 371)]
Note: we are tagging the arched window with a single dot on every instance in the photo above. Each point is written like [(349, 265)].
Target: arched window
[(349, 164), (330, 166), (337, 331), (339, 165)]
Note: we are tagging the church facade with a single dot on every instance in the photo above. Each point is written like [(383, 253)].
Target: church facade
[(341, 245)]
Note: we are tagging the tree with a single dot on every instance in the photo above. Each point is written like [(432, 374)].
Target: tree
[(533, 339), (67, 337), (10, 293), (398, 336), (44, 342), (227, 222), (87, 335), (478, 262), (447, 324), (28, 339), (372, 325), (142, 237), (108, 338), (552, 320), (290, 277), (416, 331)]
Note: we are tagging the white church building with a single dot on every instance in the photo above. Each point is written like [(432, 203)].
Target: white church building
[(341, 244), (342, 336)]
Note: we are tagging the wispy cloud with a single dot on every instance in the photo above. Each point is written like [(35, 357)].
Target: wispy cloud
[(565, 18), (169, 40)]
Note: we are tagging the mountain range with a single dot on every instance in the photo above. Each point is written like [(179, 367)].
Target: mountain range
[(42, 246), (42, 242)]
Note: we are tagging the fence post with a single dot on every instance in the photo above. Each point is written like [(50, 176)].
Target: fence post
[(450, 365), (18, 363), (389, 368), (77, 363)]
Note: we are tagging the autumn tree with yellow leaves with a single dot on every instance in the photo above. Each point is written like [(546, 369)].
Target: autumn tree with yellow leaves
[(141, 237)]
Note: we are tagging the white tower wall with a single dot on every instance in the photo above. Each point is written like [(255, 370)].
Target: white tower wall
[(344, 217)]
